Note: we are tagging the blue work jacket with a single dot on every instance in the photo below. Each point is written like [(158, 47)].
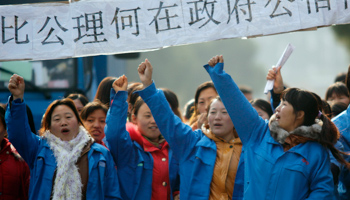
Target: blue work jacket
[(275, 101), (135, 166), (303, 172), (102, 183), (195, 152), (342, 121)]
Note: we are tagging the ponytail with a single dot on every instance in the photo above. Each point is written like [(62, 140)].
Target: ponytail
[(329, 137)]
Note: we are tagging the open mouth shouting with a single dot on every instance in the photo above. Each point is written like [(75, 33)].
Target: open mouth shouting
[(65, 131), (217, 125), (278, 117)]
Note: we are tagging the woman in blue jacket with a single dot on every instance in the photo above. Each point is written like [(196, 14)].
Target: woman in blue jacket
[(64, 163), (276, 92), (209, 159), (286, 158), (146, 168)]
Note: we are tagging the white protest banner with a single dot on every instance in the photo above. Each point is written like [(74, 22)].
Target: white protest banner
[(85, 28)]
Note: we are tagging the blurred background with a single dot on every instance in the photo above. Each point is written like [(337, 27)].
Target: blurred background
[(318, 57)]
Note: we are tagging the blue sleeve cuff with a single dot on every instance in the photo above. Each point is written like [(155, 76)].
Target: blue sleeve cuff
[(275, 99), (148, 91), (120, 96), (219, 68), (18, 101), (111, 95)]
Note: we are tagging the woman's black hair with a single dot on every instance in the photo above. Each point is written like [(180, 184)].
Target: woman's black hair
[(326, 108), (337, 108), (80, 97), (132, 87), (137, 105), (189, 109), (31, 120), (173, 101), (104, 89), (341, 77), (337, 88), (2, 116), (263, 105), (132, 96), (29, 115), (91, 107)]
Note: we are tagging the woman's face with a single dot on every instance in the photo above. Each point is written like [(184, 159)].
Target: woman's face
[(95, 123), (262, 113), (204, 99), (338, 98), (286, 117), (78, 105), (64, 124), (219, 121), (146, 124)]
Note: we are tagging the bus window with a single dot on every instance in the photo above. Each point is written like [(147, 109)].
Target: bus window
[(44, 75)]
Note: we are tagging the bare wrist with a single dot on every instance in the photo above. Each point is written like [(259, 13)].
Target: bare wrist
[(17, 97), (146, 84), (278, 90)]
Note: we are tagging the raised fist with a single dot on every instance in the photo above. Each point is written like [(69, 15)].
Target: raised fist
[(216, 59), (16, 86), (145, 70), (121, 84)]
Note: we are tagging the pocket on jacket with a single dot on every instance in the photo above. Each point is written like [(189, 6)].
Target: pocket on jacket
[(148, 165), (293, 178), (205, 155), (201, 173), (296, 170), (263, 154), (44, 168)]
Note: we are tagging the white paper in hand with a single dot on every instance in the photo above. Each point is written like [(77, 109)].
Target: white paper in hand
[(287, 52)]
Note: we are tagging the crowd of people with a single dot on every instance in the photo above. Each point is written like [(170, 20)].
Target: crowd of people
[(132, 142)]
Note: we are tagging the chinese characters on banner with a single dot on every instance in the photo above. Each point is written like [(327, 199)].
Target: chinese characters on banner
[(84, 28)]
